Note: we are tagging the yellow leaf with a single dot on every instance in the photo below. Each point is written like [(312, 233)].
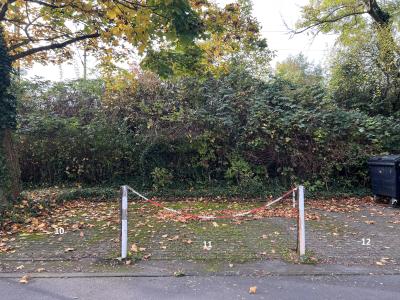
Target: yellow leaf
[(252, 290), (24, 279), (112, 14)]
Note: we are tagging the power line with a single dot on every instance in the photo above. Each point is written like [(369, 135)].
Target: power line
[(302, 49)]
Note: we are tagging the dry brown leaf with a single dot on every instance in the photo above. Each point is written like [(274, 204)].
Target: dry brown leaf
[(134, 248), (24, 279), (370, 222), (252, 290), (40, 270), (174, 238), (41, 225)]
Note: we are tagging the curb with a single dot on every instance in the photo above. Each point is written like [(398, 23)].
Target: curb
[(136, 275)]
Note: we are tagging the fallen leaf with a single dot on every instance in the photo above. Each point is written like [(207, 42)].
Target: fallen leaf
[(370, 222), (252, 290), (179, 273), (215, 224), (40, 270), (69, 249), (24, 279), (174, 238), (134, 248), (379, 263), (20, 267), (41, 225), (81, 234)]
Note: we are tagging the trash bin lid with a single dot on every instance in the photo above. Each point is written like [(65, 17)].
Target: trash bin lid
[(384, 159)]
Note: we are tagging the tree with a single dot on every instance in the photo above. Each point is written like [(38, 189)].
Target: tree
[(352, 18), (367, 31), (358, 80), (298, 70), (45, 30), (231, 36)]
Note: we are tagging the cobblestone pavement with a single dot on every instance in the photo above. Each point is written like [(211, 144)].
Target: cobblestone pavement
[(367, 236)]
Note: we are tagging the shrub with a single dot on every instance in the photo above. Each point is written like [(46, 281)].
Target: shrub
[(161, 178)]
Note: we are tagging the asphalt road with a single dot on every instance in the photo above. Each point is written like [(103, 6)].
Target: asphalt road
[(212, 287)]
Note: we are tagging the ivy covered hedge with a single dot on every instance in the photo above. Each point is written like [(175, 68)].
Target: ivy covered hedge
[(7, 122), (234, 129)]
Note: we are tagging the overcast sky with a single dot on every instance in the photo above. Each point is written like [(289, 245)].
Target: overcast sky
[(272, 15)]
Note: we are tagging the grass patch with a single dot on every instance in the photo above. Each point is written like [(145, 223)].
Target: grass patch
[(32, 236)]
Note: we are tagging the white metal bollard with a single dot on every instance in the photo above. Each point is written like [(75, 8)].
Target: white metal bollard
[(294, 198), (124, 222), (301, 235)]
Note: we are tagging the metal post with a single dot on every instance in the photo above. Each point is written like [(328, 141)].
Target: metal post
[(301, 235), (124, 221), (294, 198)]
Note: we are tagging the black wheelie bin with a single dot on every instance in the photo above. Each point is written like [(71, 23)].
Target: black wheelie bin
[(385, 176)]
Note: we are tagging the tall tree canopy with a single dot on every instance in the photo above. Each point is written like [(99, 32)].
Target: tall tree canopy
[(45, 30), (351, 19), (365, 67), (229, 32)]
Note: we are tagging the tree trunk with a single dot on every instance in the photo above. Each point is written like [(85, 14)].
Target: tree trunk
[(10, 184)]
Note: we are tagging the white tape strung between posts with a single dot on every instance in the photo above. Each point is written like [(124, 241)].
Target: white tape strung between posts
[(147, 199), (124, 217), (209, 217)]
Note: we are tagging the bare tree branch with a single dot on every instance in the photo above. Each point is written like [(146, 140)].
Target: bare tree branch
[(319, 22), (50, 5), (53, 46)]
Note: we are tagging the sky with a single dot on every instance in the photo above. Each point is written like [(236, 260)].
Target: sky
[(272, 15)]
